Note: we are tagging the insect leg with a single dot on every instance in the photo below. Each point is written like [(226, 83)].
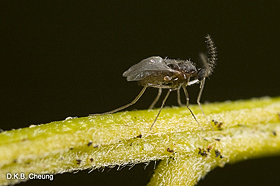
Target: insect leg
[(156, 99), (163, 102), (192, 82), (125, 106), (198, 100), (179, 97), (187, 103)]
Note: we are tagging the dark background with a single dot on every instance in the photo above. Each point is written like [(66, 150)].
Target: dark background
[(66, 58)]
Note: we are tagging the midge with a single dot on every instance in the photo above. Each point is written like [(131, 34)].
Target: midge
[(171, 74)]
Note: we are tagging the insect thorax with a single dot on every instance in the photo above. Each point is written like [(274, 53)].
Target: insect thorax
[(182, 72)]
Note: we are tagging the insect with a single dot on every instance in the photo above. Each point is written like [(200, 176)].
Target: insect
[(171, 74)]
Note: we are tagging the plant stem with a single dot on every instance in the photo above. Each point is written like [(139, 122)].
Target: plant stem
[(244, 129)]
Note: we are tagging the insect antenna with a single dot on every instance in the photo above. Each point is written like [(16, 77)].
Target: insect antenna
[(163, 102), (208, 65), (212, 55)]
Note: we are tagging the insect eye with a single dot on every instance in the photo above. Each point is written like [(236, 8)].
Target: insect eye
[(174, 67), (170, 65)]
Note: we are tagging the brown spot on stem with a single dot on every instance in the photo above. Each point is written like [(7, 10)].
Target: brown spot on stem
[(89, 143), (209, 148), (170, 150), (217, 153), (78, 161)]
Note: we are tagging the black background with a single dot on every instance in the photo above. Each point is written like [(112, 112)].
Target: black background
[(66, 58)]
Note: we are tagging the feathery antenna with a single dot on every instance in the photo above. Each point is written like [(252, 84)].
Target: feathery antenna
[(212, 54)]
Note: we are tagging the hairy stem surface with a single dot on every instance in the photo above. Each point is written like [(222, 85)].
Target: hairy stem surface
[(243, 129)]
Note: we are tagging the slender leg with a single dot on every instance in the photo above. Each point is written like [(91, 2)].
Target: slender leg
[(125, 106), (187, 100), (156, 99), (192, 82), (179, 97), (163, 102), (198, 100)]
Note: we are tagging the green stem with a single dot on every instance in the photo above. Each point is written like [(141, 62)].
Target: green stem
[(246, 129)]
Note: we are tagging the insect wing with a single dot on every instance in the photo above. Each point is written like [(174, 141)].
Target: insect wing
[(145, 68)]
